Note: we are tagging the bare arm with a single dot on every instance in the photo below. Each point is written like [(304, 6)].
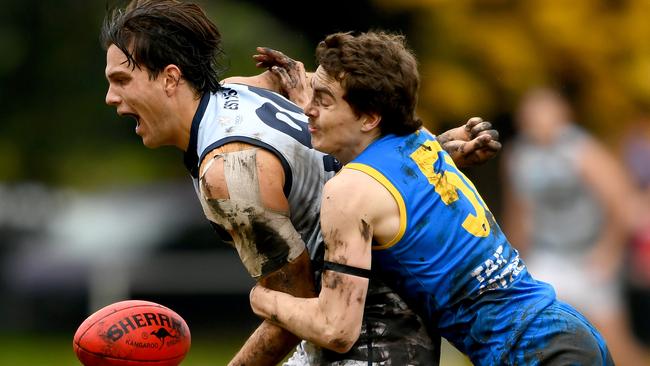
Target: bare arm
[(517, 220), (269, 344), (332, 320), (615, 193), (264, 80)]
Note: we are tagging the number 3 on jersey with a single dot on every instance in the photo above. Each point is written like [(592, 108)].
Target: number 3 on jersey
[(448, 183)]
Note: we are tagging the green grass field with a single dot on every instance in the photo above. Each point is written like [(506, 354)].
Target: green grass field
[(56, 350), (206, 350)]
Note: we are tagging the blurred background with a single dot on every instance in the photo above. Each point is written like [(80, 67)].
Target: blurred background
[(88, 216)]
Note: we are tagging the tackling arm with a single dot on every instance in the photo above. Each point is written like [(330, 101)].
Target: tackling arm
[(332, 320), (251, 220)]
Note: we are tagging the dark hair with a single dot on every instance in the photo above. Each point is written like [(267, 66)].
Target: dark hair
[(378, 74), (157, 33)]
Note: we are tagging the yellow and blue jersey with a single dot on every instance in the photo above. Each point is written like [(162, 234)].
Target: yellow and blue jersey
[(450, 260)]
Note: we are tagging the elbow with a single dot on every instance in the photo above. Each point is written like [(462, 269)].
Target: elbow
[(340, 339)]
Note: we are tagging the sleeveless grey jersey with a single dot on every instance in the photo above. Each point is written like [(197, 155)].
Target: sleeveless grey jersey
[(566, 216), (266, 119)]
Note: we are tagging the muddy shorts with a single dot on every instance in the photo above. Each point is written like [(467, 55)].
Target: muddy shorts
[(391, 334)]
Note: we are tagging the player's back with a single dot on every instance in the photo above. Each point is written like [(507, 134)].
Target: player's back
[(450, 260)]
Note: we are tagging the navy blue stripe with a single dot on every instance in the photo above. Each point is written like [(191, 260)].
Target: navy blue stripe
[(288, 177), (190, 158)]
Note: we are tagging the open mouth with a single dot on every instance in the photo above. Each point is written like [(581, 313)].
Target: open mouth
[(135, 117)]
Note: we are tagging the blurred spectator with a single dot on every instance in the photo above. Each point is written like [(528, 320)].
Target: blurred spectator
[(566, 208), (636, 155)]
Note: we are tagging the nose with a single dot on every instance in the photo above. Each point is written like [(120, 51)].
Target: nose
[(112, 98), (310, 110)]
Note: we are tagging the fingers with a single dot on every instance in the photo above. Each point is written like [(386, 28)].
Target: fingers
[(480, 127), (475, 144), (472, 122), (488, 131), (268, 57), (493, 146), (282, 73), (481, 144)]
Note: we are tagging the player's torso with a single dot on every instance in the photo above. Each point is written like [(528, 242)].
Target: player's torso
[(549, 177), (450, 259), (265, 119)]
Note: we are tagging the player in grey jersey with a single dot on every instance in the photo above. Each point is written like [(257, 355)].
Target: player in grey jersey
[(256, 175)]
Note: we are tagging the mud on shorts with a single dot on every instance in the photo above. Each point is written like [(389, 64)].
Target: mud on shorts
[(391, 334)]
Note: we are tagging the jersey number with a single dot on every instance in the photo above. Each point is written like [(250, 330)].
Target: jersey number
[(447, 185), (282, 121)]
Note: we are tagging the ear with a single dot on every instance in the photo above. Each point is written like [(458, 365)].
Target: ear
[(171, 76), (370, 121)]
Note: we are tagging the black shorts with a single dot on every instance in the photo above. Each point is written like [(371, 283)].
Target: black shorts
[(391, 333)]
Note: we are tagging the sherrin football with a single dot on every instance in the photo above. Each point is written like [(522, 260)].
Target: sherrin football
[(132, 333)]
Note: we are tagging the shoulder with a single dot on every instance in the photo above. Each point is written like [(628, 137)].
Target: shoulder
[(266, 163), (351, 189)]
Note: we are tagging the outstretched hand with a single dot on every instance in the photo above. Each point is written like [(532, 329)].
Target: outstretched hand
[(473, 143), (289, 74)]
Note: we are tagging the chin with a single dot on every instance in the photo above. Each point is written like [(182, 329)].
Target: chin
[(319, 147), (150, 144)]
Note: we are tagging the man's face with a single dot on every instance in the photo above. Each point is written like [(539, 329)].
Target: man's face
[(334, 127), (134, 94)]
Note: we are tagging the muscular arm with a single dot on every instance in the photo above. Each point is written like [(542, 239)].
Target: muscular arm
[(333, 320), (269, 344)]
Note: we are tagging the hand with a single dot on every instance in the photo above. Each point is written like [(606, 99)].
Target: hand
[(257, 297), (289, 74), (473, 143)]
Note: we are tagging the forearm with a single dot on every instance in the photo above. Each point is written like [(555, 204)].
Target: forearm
[(263, 80), (268, 345), (611, 244), (305, 318)]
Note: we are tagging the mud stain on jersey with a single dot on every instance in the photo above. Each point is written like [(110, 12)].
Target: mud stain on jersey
[(270, 244), (409, 172)]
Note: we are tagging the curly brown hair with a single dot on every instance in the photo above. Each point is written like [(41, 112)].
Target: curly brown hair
[(378, 73)]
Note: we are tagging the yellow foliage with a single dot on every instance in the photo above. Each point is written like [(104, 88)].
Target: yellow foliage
[(481, 55)]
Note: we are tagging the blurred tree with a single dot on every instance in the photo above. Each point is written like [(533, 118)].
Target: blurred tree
[(479, 56)]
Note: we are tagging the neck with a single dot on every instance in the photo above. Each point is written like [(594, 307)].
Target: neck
[(347, 155), (188, 104)]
